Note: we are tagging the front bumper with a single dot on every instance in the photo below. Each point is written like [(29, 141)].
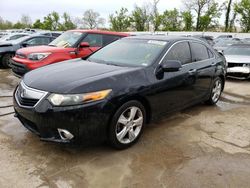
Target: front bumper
[(87, 123), (240, 72), (19, 69)]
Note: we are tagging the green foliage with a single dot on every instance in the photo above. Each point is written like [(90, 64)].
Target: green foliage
[(171, 20), (120, 21), (243, 9), (187, 19), (140, 18), (37, 24), (67, 23)]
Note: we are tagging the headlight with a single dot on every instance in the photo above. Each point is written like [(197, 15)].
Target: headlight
[(38, 56), (67, 100)]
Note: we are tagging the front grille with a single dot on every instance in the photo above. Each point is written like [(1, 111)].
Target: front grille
[(28, 97), (235, 65), (26, 101)]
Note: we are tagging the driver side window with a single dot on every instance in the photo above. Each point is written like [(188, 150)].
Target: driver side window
[(180, 52)]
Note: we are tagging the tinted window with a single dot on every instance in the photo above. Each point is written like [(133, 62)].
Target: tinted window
[(107, 39), (38, 41), (199, 51), (180, 52), (94, 40), (56, 34)]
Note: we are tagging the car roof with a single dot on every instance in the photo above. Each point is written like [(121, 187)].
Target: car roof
[(163, 38), (241, 45), (102, 32)]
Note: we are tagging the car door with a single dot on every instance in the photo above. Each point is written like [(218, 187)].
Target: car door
[(175, 89), (202, 68), (95, 42)]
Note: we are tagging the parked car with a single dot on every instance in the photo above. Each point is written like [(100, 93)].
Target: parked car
[(224, 44), (117, 90), (246, 40), (205, 38), (238, 60), (9, 48), (12, 37), (70, 45)]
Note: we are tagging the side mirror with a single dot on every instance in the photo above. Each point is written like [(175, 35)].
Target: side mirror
[(171, 66), (84, 45), (25, 44)]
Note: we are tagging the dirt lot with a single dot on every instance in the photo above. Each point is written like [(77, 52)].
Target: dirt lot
[(202, 146)]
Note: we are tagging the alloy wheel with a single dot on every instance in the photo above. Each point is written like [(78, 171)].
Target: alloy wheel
[(216, 90), (129, 125)]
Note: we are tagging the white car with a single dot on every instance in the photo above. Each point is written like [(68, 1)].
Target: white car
[(238, 61)]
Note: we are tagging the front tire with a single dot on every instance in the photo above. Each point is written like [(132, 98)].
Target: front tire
[(6, 60), (127, 125), (216, 91)]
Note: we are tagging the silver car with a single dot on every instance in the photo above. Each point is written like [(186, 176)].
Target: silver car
[(238, 60)]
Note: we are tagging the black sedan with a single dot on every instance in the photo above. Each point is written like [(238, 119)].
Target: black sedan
[(113, 93), (9, 48)]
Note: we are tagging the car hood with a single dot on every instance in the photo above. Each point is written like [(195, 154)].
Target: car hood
[(43, 49), (78, 76), (237, 58)]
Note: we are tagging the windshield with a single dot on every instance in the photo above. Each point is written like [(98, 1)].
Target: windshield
[(129, 52), (225, 43), (245, 51), (67, 39)]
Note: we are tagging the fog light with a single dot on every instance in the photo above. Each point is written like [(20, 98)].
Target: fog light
[(65, 135)]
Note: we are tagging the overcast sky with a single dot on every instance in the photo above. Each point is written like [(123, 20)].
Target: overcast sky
[(13, 9)]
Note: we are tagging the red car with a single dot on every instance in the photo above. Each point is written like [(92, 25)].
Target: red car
[(71, 44)]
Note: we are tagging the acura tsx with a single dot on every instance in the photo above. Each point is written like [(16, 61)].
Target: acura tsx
[(112, 94)]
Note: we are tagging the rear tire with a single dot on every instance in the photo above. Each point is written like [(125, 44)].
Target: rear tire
[(6, 60), (127, 125), (216, 91)]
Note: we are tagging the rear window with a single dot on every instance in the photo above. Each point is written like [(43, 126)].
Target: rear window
[(107, 39), (199, 52)]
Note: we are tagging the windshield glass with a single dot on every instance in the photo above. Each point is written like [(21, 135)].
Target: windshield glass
[(129, 52), (67, 39), (238, 51)]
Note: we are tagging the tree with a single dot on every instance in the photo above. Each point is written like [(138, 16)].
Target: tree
[(171, 20), (243, 9), (25, 21), (5, 24), (38, 24), (228, 11), (120, 21), (67, 23), (207, 12), (140, 17), (51, 21), (209, 19), (187, 18), (198, 6), (92, 19), (155, 15)]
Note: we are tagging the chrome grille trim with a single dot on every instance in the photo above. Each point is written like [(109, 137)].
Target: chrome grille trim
[(25, 92)]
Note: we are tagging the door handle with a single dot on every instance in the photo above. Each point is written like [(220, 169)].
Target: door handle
[(192, 71), (214, 63)]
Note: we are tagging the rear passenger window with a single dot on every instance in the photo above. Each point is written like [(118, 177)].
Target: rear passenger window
[(199, 51), (180, 52), (94, 40), (107, 39)]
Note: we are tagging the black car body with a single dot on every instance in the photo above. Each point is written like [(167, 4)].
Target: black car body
[(9, 48), (160, 87)]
